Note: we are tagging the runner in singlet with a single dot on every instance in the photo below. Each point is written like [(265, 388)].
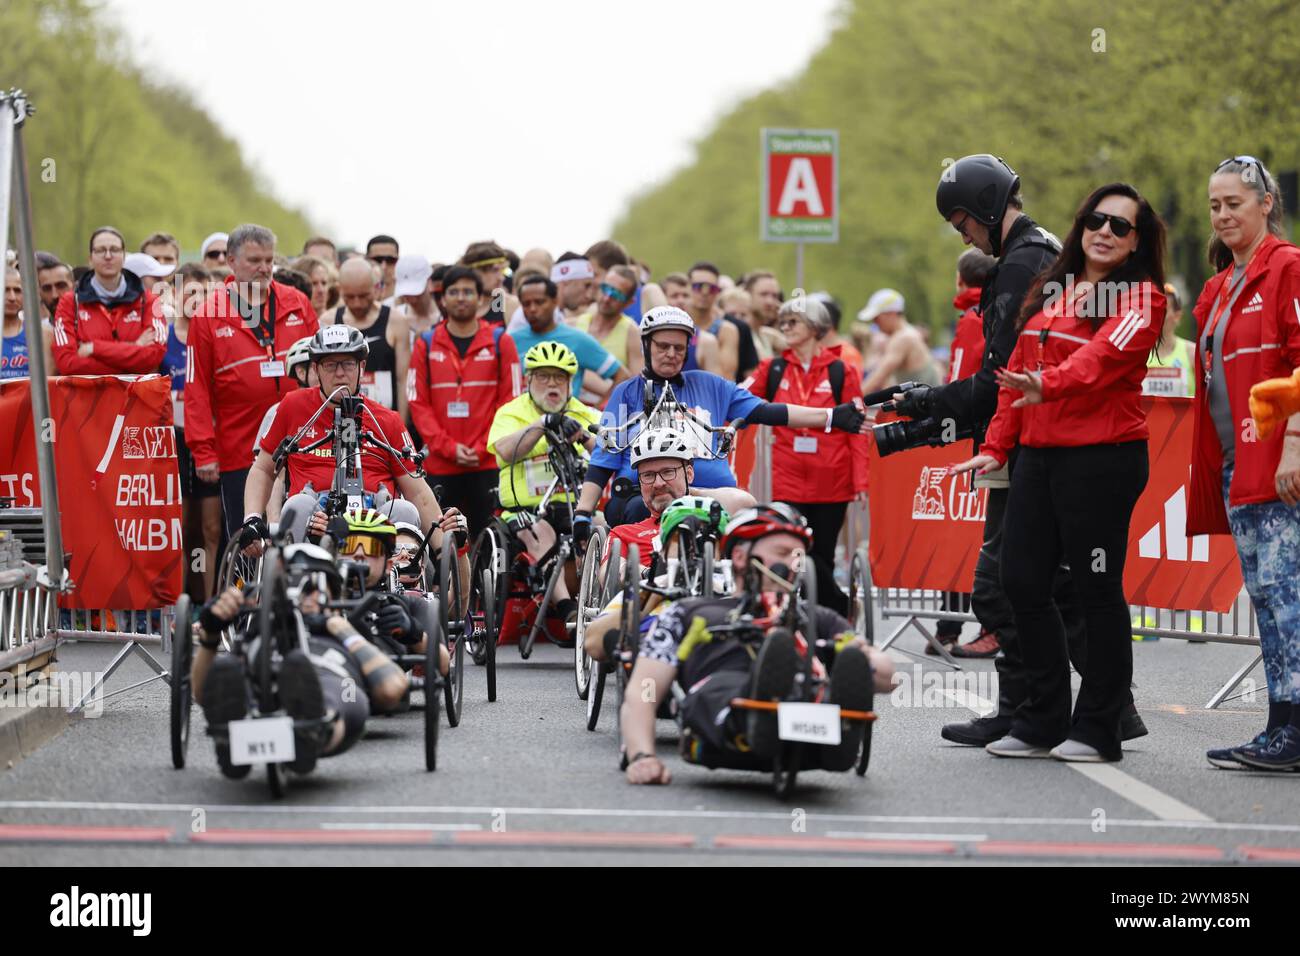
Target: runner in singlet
[(390, 345), (13, 358)]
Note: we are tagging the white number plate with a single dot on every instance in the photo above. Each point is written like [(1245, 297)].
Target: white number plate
[(267, 740), (809, 723)]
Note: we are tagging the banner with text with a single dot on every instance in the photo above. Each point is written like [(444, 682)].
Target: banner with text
[(927, 524), (119, 488)]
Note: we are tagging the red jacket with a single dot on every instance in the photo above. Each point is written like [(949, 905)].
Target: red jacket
[(447, 385), (1261, 341), (642, 534), (113, 325), (226, 395), (1092, 381), (836, 469), (966, 354)]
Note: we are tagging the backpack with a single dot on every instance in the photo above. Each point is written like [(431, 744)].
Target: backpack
[(776, 372)]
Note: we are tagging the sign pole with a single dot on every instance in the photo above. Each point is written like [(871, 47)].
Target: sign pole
[(798, 265)]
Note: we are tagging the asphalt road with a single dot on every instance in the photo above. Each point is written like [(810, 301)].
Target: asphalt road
[(522, 781)]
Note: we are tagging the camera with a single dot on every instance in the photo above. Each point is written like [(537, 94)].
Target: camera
[(920, 427)]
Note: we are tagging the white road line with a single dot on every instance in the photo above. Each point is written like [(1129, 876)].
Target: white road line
[(401, 826), (598, 812), (1155, 802), (893, 835)]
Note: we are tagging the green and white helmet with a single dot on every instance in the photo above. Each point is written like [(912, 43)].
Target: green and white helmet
[(707, 511)]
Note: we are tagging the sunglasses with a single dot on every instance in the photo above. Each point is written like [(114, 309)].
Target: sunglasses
[(383, 260), (1119, 226), (214, 253), (370, 545), (615, 294), (1248, 161), (710, 287)]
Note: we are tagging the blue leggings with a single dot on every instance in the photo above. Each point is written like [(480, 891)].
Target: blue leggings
[(1268, 544)]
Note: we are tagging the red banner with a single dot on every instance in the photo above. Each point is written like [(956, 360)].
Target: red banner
[(119, 488), (927, 525)]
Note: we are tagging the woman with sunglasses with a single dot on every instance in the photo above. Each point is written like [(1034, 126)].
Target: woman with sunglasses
[(1248, 330), (1071, 399)]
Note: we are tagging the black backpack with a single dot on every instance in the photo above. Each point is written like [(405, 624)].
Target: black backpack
[(776, 372)]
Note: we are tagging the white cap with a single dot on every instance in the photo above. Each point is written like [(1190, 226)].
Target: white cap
[(203, 249), (146, 266), (885, 300), (412, 275)]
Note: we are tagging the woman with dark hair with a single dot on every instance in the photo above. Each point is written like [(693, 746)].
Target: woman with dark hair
[(1071, 401), (1245, 480)]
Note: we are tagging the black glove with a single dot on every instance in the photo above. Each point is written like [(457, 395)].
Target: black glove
[(568, 428), (393, 619), (253, 529), (581, 529), (209, 620), (847, 417), (917, 402)]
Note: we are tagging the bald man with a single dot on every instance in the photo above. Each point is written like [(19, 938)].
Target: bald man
[(386, 332)]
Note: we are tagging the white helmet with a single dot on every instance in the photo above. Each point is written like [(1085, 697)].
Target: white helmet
[(666, 317), (662, 443)]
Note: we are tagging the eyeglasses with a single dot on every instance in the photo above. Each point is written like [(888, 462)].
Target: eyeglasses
[(105, 251), (214, 254), (961, 226), (666, 475), (709, 287), (1119, 226), (615, 294), (346, 366), (666, 348), (371, 546), (549, 376), (383, 260), (1248, 161)]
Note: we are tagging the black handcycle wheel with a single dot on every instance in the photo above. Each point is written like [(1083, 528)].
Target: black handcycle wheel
[(861, 613), (277, 779), (864, 752), (589, 602), (598, 672), (432, 697), (270, 596), (706, 570), (452, 622), (182, 696), (785, 768), (629, 636)]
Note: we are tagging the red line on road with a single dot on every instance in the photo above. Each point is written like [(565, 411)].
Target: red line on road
[(573, 838), (22, 832), (1269, 854), (802, 843), (1143, 851), (273, 836)]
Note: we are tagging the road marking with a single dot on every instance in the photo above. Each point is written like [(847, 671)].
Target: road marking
[(891, 835), (401, 826), (743, 841), (1155, 802), (575, 838), (1143, 851), (83, 833)]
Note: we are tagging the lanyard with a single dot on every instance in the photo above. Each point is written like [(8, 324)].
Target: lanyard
[(1222, 306), (804, 394), (458, 362)]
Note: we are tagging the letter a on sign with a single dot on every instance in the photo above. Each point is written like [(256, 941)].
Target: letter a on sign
[(800, 187)]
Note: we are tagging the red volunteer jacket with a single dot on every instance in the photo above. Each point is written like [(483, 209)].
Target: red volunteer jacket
[(226, 395), (966, 353), (113, 325), (642, 534), (1261, 341), (456, 398), (835, 468), (1092, 382)]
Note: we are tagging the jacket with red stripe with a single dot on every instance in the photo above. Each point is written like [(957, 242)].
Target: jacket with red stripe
[(1092, 381), (82, 315), (1260, 341), (838, 468), (966, 354), (226, 396), (485, 379)]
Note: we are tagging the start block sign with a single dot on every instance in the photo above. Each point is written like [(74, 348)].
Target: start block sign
[(801, 186)]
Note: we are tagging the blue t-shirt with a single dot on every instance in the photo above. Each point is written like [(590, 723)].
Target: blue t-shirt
[(711, 397), (174, 367), (13, 357), (590, 353)]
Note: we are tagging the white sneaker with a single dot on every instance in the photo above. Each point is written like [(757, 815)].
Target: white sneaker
[(1010, 746), (1075, 751)]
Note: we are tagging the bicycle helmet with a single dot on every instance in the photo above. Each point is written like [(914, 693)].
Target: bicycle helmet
[(339, 339), (703, 510), (662, 443), (551, 355), (666, 317), (980, 185), (374, 523), (754, 523), (299, 354), (304, 559)]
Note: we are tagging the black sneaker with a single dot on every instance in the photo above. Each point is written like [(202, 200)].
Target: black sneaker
[(774, 671), (225, 698), (301, 698), (1225, 757), (852, 688), (979, 732), (1280, 752), (1131, 726)]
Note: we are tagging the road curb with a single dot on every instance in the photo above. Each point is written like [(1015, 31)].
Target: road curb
[(23, 729)]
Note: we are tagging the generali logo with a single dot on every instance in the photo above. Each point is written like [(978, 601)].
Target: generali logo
[(943, 497)]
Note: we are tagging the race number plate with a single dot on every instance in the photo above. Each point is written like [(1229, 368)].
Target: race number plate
[(268, 740), (808, 723)]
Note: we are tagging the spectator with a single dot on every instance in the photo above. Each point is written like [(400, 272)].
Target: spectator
[(765, 301), (152, 273), (414, 295), (321, 275), (537, 296), (386, 334), (737, 309), (716, 346), (322, 248), (383, 252), (238, 340), (489, 260), (13, 350), (53, 278), (164, 248), (609, 325), (213, 251), (833, 341), (1171, 368), (107, 325), (677, 290), (906, 359)]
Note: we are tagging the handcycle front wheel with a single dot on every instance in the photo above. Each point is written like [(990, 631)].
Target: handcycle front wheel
[(182, 696), (452, 621), (432, 693), (629, 641), (785, 769), (589, 606), (598, 672), (861, 612)]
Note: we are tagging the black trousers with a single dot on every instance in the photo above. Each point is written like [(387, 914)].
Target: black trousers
[(959, 603), (474, 493), (1072, 505), (232, 500), (825, 518)]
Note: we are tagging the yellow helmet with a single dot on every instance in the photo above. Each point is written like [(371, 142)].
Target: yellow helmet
[(551, 355)]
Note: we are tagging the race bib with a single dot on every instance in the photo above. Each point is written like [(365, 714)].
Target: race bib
[(458, 409), (271, 369), (538, 475), (805, 444), (1164, 381), (378, 387)]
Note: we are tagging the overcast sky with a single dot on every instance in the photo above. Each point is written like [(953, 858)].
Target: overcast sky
[(441, 123)]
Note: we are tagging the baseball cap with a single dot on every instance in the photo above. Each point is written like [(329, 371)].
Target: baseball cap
[(145, 266), (215, 237), (881, 301), (412, 275)]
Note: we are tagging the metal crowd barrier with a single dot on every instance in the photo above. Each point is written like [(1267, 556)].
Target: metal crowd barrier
[(130, 628)]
